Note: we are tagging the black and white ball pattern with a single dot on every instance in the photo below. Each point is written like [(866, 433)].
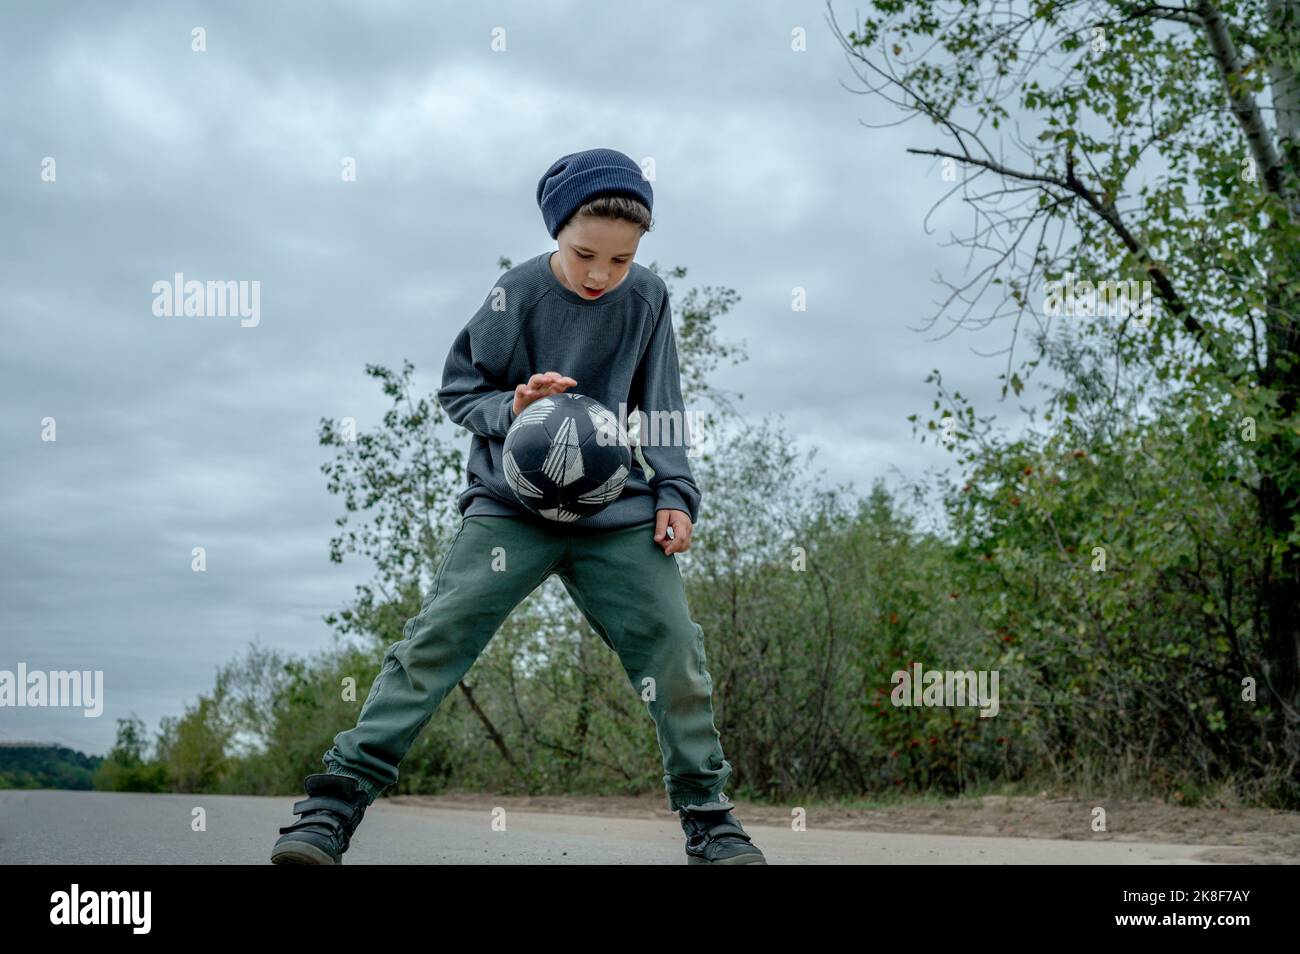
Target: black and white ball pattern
[(556, 463)]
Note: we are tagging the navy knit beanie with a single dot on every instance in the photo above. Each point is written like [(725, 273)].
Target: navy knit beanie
[(581, 176)]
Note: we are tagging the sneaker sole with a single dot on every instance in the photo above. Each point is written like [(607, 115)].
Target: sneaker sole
[(735, 860), (301, 853)]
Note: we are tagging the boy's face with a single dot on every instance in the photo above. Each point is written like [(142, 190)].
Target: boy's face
[(595, 255)]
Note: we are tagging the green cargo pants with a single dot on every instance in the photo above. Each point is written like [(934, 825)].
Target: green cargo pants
[(628, 590)]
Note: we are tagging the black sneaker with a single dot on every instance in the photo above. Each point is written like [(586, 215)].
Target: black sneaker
[(330, 814), (716, 838)]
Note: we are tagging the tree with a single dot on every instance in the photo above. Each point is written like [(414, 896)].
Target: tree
[(127, 767), (404, 478), (1147, 155)]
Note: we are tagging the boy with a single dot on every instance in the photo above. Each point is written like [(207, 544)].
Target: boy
[(589, 310)]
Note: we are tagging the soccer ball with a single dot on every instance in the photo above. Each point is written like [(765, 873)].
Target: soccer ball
[(566, 457)]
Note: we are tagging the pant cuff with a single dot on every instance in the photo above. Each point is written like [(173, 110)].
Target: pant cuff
[(703, 802), (370, 788)]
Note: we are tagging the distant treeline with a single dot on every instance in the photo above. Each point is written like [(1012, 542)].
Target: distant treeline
[(46, 766)]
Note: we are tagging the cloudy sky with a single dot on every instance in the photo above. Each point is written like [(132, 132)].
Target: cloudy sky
[(225, 165)]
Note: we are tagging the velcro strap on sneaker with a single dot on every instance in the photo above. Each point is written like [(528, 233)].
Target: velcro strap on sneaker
[(725, 829), (319, 802), (318, 820)]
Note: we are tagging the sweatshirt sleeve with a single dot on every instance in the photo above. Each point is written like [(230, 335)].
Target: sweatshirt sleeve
[(474, 391), (657, 392)]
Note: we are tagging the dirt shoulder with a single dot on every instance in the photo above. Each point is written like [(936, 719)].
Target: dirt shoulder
[(1252, 835)]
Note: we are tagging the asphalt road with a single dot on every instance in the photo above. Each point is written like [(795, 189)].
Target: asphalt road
[(65, 827)]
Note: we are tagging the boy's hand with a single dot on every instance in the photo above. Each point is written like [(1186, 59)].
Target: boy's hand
[(540, 386), (680, 523)]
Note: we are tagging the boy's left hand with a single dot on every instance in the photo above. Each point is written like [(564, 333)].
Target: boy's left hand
[(680, 521)]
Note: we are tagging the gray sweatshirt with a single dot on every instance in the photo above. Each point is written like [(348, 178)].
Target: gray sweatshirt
[(620, 348)]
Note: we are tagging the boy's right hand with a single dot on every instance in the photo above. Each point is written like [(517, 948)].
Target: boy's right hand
[(540, 386)]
